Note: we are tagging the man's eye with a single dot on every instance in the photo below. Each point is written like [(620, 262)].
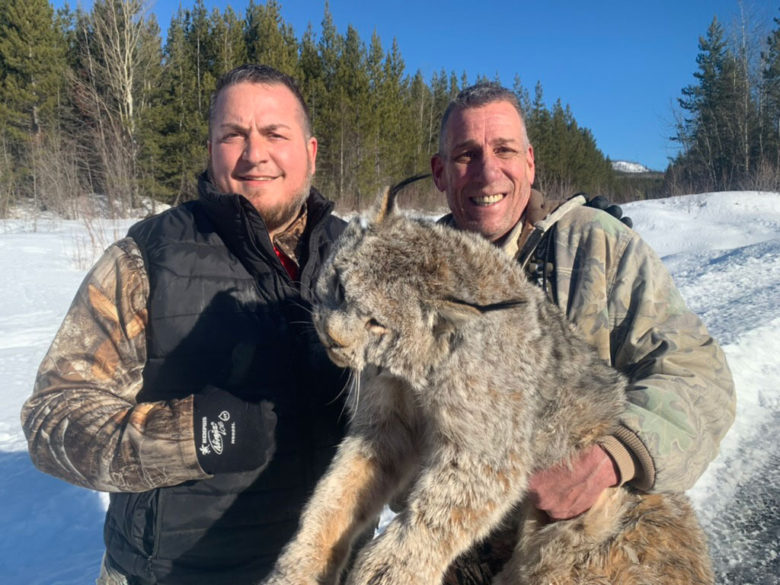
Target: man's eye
[(464, 157)]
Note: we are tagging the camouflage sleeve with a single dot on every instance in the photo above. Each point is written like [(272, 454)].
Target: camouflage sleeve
[(82, 422), (681, 398)]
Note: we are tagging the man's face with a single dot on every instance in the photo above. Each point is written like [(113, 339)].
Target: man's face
[(486, 168), (259, 148)]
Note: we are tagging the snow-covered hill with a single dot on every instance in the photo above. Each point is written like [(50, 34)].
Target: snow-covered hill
[(624, 166), (722, 248)]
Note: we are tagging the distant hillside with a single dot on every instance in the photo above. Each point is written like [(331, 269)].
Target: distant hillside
[(634, 181), (625, 166)]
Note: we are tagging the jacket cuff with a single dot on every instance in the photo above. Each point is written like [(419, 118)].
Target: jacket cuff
[(631, 457), (189, 450), (621, 457)]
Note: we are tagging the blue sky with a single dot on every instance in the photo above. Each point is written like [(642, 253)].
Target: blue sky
[(619, 65)]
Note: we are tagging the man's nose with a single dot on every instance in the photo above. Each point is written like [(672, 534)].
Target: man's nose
[(255, 149), (488, 167)]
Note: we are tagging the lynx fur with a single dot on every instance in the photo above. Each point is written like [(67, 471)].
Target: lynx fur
[(467, 381)]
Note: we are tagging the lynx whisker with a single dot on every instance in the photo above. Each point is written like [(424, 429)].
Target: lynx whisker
[(354, 393)]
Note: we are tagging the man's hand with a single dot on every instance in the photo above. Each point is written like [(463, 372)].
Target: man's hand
[(232, 434), (565, 491), (602, 203)]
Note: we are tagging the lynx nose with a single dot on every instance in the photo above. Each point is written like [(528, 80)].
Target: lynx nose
[(333, 337), (336, 344)]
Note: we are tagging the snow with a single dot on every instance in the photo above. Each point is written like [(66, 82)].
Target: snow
[(723, 250), (625, 166)]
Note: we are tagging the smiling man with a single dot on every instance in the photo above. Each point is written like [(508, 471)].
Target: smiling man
[(261, 147), (488, 169), (614, 289), (186, 378)]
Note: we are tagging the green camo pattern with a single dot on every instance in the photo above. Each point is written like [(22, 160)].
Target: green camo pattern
[(615, 289)]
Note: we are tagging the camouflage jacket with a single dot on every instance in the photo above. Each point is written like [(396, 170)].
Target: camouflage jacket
[(615, 289), (87, 386), (84, 422)]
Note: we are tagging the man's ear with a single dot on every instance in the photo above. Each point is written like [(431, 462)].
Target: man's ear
[(437, 169), (311, 151), (530, 164), (449, 316)]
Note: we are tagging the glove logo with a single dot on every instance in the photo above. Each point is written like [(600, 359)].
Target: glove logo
[(215, 435)]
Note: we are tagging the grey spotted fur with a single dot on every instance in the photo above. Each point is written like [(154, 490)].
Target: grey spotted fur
[(467, 381)]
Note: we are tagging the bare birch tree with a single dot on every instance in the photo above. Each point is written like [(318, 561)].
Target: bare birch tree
[(117, 52)]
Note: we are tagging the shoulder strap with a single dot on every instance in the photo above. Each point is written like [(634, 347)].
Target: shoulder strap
[(542, 227)]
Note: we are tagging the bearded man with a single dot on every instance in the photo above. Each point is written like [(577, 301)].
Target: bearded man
[(186, 378)]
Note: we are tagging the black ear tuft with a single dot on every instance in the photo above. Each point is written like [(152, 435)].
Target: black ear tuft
[(451, 315), (386, 206)]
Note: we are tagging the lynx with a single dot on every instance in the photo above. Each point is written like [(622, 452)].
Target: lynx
[(467, 381)]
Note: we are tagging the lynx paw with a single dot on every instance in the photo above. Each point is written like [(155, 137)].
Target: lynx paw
[(278, 577), (374, 569), (383, 574)]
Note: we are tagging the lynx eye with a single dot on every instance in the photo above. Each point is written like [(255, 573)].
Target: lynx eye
[(333, 293), (339, 292), (375, 327)]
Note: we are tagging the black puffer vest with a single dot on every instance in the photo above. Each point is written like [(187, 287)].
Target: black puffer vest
[(224, 312)]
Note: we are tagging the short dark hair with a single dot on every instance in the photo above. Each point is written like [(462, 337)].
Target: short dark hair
[(478, 95), (263, 74)]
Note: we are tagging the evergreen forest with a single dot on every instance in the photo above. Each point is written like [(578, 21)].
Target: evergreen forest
[(728, 124), (103, 102)]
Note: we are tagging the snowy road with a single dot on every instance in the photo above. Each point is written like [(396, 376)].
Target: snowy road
[(723, 250)]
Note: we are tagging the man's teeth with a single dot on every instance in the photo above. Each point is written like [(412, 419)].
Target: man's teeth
[(488, 199)]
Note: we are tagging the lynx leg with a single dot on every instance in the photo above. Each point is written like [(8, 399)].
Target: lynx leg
[(568, 552), (457, 501), (625, 539), (371, 463), (350, 494)]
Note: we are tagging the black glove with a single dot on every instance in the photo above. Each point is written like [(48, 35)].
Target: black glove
[(602, 203), (232, 434)]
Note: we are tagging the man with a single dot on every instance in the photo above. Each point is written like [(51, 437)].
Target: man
[(612, 287), (186, 378)]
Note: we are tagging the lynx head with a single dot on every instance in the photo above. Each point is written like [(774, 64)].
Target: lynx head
[(397, 292)]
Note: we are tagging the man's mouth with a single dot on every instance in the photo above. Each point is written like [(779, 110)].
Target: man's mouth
[(485, 200), (256, 178)]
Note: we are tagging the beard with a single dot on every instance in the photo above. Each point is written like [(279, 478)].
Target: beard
[(280, 216), (277, 217)]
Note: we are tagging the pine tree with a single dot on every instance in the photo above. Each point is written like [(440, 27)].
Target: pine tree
[(311, 78), (770, 114), (440, 99), (523, 97), (725, 132), (420, 107), (230, 50), (199, 48), (352, 113), (32, 59), (117, 68), (372, 165), (330, 123), (182, 107), (150, 156), (566, 155), (269, 39), (707, 133)]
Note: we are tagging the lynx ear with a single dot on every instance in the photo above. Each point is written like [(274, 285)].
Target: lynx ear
[(451, 315), (386, 204)]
